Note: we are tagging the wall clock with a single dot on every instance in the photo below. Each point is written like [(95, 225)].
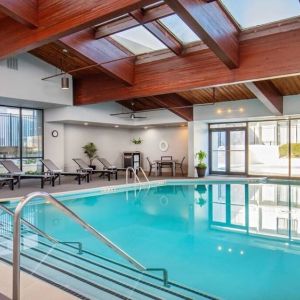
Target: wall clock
[(54, 133)]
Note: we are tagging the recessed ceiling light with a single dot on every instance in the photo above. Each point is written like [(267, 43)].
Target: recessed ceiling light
[(219, 111), (241, 109), (116, 126), (229, 110), (64, 50), (85, 124)]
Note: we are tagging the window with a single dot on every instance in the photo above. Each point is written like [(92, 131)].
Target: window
[(21, 137), (268, 148), (179, 29), (138, 40), (251, 13)]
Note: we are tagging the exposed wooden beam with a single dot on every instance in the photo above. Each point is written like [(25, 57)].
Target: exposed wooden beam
[(111, 59), (261, 58), (211, 24), (60, 18), (136, 17), (24, 12), (175, 104), (267, 93), (165, 37)]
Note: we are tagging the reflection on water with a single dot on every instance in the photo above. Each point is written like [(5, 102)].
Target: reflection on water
[(264, 209)]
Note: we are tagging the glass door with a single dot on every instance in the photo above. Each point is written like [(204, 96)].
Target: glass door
[(228, 151), (237, 151)]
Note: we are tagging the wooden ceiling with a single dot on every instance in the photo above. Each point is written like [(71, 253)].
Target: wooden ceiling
[(237, 63)]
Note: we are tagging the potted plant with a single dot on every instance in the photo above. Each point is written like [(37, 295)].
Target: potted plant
[(201, 166), (137, 141), (90, 150)]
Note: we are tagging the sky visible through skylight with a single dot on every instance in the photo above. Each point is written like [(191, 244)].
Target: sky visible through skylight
[(179, 29), (138, 40), (251, 13)]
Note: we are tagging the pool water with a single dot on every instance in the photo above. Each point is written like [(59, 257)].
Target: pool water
[(229, 240)]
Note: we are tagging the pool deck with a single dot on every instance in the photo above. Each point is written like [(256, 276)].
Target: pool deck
[(31, 287), (68, 184)]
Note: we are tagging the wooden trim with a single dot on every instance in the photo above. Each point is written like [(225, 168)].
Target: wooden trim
[(266, 92), (24, 12), (213, 27), (260, 59)]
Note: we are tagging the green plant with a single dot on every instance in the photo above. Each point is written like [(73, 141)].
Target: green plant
[(295, 150), (90, 150), (201, 155), (137, 141)]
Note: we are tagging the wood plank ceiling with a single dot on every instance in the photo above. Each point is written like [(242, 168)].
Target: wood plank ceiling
[(104, 70)]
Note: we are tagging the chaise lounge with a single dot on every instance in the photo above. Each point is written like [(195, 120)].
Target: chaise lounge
[(57, 173), (83, 166), (108, 166), (7, 180), (16, 173)]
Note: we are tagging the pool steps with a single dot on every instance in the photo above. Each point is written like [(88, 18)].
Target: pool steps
[(103, 278)]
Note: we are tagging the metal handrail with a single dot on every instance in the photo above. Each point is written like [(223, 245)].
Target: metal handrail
[(40, 232), (143, 172), (136, 178), (72, 215)]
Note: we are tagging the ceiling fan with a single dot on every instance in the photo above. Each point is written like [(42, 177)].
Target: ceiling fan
[(129, 115)]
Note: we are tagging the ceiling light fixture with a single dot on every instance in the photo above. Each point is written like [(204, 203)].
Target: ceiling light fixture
[(64, 83), (85, 124), (64, 80), (116, 126)]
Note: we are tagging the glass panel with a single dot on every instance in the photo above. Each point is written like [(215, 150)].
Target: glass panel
[(250, 13), (218, 151), (295, 148), (237, 151), (138, 40), (227, 125), (9, 132), (179, 29), (32, 133), (268, 148)]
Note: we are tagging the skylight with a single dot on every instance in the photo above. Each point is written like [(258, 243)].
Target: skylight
[(251, 13), (179, 29), (138, 40)]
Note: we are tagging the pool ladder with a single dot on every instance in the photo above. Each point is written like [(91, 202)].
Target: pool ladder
[(136, 177), (101, 237)]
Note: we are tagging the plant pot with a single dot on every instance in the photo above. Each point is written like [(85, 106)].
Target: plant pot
[(93, 167), (201, 171)]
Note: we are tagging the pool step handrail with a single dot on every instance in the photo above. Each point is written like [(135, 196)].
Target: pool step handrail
[(40, 232), (136, 177), (17, 233)]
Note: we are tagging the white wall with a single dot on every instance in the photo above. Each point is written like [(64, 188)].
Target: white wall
[(26, 87), (176, 137), (112, 142)]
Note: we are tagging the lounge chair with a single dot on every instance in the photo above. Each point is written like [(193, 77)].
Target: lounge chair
[(16, 173), (57, 173), (7, 180), (83, 166), (180, 165), (109, 166)]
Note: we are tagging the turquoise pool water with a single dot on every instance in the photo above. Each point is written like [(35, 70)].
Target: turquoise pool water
[(233, 241)]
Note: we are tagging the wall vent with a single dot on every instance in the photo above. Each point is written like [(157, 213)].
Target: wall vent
[(12, 63)]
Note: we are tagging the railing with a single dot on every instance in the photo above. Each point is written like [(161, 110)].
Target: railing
[(136, 177), (42, 233), (77, 219)]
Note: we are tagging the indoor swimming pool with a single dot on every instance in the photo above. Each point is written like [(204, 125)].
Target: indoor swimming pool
[(226, 240)]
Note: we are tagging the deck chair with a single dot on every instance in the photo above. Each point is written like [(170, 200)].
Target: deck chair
[(83, 166), (7, 180), (57, 173), (16, 173), (109, 166)]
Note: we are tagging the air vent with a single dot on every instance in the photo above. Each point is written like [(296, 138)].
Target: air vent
[(12, 63)]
